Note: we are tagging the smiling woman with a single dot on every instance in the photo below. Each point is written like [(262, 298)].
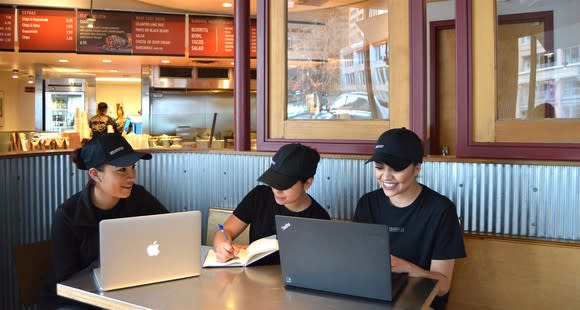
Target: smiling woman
[(110, 193)]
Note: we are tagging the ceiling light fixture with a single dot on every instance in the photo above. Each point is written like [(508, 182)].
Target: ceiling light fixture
[(63, 60), (165, 61), (30, 79), (15, 73), (227, 5), (107, 61), (91, 18)]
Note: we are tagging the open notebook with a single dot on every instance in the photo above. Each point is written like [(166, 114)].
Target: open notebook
[(337, 256), (254, 252), (147, 249)]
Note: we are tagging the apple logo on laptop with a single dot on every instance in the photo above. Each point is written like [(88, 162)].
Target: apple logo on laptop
[(153, 249)]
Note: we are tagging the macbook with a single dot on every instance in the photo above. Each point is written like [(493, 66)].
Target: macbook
[(337, 256), (147, 249)]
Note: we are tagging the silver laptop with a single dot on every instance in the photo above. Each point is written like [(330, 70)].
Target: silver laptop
[(147, 249), (337, 256)]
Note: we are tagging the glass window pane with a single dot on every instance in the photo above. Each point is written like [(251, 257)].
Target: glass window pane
[(538, 60), (338, 60)]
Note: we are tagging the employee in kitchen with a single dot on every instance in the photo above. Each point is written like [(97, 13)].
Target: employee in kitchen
[(123, 123), (100, 123), (110, 192), (289, 177)]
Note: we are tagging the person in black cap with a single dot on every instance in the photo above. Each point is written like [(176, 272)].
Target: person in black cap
[(425, 234), (288, 178), (111, 192), (101, 121)]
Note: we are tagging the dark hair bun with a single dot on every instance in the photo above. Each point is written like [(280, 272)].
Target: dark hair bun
[(77, 159)]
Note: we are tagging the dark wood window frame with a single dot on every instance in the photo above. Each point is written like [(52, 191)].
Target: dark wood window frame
[(466, 147)]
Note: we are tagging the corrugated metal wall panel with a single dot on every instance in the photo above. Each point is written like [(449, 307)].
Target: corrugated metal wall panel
[(510, 199)]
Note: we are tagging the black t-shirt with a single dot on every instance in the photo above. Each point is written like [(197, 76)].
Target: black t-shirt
[(426, 229), (75, 228), (75, 235), (259, 208)]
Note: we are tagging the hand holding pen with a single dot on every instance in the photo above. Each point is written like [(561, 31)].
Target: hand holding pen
[(224, 250)]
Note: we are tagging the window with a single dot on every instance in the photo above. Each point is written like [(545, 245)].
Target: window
[(535, 116), (327, 53)]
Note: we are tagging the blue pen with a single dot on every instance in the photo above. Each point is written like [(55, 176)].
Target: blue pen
[(221, 228)]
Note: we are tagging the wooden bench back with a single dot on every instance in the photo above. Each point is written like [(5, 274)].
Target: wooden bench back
[(219, 216), (32, 263), (513, 273)]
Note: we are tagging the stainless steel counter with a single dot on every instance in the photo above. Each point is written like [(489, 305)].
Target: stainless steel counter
[(258, 287)]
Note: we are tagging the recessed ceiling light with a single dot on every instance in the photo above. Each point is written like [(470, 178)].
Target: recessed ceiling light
[(114, 71), (107, 60), (165, 61), (63, 60), (227, 5)]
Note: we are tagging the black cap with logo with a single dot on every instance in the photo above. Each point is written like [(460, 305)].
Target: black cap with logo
[(293, 162), (398, 148), (111, 149)]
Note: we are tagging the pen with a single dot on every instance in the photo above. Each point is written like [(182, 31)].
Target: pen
[(221, 228)]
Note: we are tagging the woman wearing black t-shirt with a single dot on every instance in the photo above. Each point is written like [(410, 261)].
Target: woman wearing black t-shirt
[(288, 178), (111, 192), (424, 231)]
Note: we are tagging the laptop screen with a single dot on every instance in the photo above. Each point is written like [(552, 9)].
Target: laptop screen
[(146, 249), (336, 256)]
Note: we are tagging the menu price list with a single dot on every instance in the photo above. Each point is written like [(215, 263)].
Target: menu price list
[(214, 37), (47, 30), (7, 29), (159, 34)]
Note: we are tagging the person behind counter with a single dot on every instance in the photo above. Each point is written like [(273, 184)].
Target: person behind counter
[(288, 178), (102, 120), (425, 235), (111, 192), (123, 123)]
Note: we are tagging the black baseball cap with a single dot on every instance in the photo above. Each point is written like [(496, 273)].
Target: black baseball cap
[(398, 148), (292, 163), (111, 149)]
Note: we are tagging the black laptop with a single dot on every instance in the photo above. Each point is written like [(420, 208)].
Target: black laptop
[(337, 256)]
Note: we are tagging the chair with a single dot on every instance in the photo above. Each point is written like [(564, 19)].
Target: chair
[(217, 216), (32, 262)]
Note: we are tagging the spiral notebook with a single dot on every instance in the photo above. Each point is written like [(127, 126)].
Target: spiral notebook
[(337, 256)]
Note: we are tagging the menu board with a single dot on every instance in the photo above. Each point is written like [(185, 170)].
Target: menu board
[(214, 37), (51, 30), (155, 34), (6, 29), (111, 33)]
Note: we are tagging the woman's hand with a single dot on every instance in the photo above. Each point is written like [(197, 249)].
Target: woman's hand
[(441, 270), (400, 265), (226, 251)]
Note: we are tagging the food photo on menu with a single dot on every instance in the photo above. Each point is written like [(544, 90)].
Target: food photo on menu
[(111, 33)]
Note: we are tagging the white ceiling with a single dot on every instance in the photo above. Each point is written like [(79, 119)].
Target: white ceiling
[(126, 65)]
